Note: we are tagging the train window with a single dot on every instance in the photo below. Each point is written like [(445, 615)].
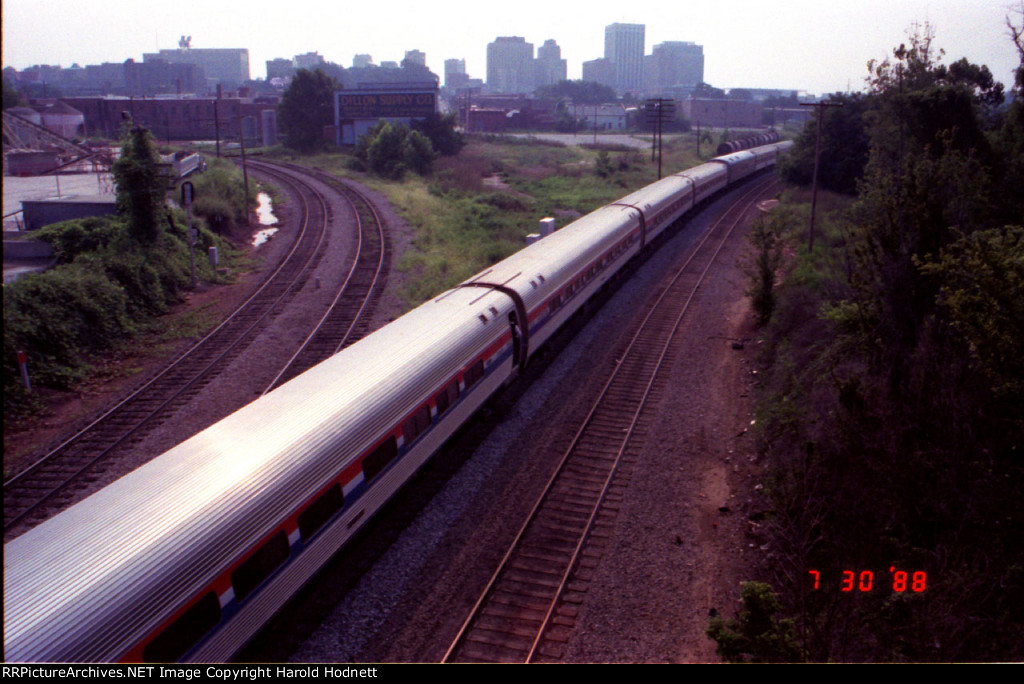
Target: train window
[(259, 565), (379, 458), (320, 511), (473, 373), (185, 632), (447, 396), (416, 424)]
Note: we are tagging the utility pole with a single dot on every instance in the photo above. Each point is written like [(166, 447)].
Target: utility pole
[(659, 110), (245, 169), (820, 107), (216, 125)]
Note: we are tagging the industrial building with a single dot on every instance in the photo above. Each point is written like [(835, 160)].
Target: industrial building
[(226, 67), (358, 110)]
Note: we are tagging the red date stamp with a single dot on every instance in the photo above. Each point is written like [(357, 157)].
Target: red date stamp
[(899, 581)]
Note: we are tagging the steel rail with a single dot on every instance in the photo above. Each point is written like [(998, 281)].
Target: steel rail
[(532, 517), (343, 291), (293, 261)]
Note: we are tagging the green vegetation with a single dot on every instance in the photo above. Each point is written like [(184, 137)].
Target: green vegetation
[(389, 150), (115, 277), (306, 107), (766, 238), (141, 185), (756, 636), (891, 405), (220, 196), (475, 208), (580, 92)]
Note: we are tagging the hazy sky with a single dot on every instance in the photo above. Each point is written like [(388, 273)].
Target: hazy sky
[(814, 45)]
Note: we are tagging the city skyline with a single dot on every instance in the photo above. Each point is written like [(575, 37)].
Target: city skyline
[(816, 47)]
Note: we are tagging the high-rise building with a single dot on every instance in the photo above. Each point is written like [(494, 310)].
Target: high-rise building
[(455, 75), (549, 67), (416, 57), (599, 71), (624, 49), (510, 65), (362, 61), (673, 65), (280, 68), (310, 61)]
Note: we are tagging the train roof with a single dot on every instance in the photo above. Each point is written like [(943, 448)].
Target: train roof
[(172, 526)]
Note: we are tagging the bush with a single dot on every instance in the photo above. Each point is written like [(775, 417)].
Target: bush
[(390, 150), (220, 196), (756, 636), (60, 318), (72, 238), (105, 289)]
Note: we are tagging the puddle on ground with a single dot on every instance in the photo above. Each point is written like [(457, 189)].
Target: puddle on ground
[(265, 215)]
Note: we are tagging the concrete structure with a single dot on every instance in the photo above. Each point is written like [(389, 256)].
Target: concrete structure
[(310, 60), (26, 113), (549, 67), (723, 113), (416, 57), (175, 118), (93, 79), (608, 117), (227, 67), (361, 61), (673, 66), (39, 213), (29, 162), (64, 120), (624, 49), (159, 77), (280, 68), (510, 65), (455, 75), (599, 71), (269, 127)]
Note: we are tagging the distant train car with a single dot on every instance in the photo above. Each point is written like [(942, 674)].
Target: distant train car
[(748, 142), (186, 557)]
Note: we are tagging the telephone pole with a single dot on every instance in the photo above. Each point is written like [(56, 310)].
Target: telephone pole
[(658, 110), (820, 107)]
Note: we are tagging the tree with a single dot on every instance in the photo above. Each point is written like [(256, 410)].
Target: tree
[(417, 152), (580, 92), (391, 149), (844, 147), (12, 98), (440, 129), (306, 107), (141, 185), (707, 91)]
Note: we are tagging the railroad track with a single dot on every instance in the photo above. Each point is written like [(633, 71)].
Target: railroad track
[(346, 320), (528, 608), (53, 481)]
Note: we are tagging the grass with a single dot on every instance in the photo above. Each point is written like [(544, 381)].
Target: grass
[(476, 208)]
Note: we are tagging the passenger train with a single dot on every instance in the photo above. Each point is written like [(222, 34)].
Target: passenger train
[(186, 557)]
